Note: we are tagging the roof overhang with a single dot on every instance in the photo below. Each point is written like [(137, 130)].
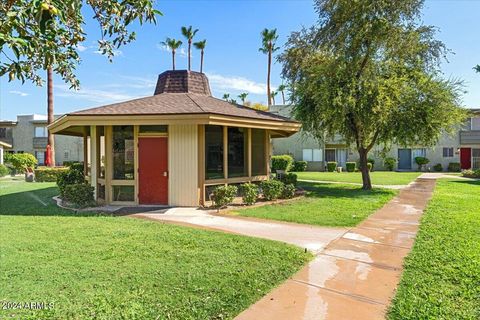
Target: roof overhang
[(5, 145), (73, 124)]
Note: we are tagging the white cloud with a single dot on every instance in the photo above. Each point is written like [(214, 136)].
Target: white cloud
[(236, 83), (81, 48), (20, 93), (180, 52), (94, 95), (134, 82)]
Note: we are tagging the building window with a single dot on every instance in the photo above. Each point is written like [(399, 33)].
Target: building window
[(475, 123), (317, 155), (447, 152), (420, 152), (258, 152), (237, 152), (101, 153), (3, 133), (123, 153), (40, 155), (213, 152), (307, 155), (153, 129), (123, 193), (41, 132)]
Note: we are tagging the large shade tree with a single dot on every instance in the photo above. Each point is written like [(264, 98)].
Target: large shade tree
[(48, 34), (370, 71)]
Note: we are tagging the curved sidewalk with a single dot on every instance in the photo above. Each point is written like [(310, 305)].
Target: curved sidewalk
[(355, 276)]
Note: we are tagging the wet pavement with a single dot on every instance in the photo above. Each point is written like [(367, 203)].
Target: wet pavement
[(312, 238), (356, 275)]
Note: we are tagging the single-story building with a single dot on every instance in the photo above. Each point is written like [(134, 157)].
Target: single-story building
[(173, 147)]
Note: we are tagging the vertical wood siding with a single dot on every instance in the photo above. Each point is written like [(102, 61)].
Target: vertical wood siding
[(183, 165)]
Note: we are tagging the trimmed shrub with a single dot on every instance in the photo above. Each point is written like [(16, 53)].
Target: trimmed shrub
[(471, 173), (271, 189), (70, 163), (288, 191), (46, 174), (438, 167), (69, 177), (289, 178), (369, 166), (299, 166), (222, 196), (454, 167), (3, 170), (249, 193), (77, 166), (22, 161), (283, 162), (421, 162), (80, 195), (351, 166), (331, 166), (389, 163)]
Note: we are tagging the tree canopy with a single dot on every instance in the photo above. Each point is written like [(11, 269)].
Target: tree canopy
[(370, 71), (37, 34)]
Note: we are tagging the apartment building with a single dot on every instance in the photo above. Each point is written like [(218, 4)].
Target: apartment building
[(29, 134), (463, 146)]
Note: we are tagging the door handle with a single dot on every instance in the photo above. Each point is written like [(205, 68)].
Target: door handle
[(165, 173)]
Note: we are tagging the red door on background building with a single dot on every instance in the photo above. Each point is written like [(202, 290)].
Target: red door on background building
[(465, 158), (153, 170)]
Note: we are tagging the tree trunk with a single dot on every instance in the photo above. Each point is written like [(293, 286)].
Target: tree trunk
[(268, 77), (201, 61), (367, 183), (283, 97), (50, 117), (189, 50), (173, 59)]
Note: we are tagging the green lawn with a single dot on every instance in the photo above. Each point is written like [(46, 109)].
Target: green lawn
[(104, 267), (378, 177), (326, 205), (442, 273)]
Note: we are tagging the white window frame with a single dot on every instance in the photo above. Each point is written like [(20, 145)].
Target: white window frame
[(317, 155), (477, 123), (449, 155), (44, 132), (307, 155)]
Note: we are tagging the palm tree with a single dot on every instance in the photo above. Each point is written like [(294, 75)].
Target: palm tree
[(189, 33), (269, 37), (272, 95), (173, 45), (281, 88), (200, 45), (50, 116), (226, 96), (243, 97)]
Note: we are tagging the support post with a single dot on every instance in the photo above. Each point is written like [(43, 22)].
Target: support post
[(225, 152), (249, 153), (93, 160)]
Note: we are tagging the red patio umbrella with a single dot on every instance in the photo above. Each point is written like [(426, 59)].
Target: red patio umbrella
[(48, 156)]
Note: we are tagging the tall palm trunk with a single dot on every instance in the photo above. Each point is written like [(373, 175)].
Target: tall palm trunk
[(50, 117), (173, 59), (201, 61), (268, 76), (189, 52), (283, 97)]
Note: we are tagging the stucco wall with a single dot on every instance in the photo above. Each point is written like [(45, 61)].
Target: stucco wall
[(183, 165)]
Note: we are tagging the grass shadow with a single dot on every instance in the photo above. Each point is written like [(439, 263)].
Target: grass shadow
[(330, 190)]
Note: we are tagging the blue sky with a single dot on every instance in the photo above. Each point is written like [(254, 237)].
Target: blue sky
[(232, 60)]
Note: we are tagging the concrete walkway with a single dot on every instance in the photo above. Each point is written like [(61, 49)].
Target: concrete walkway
[(355, 276), (386, 186), (309, 237)]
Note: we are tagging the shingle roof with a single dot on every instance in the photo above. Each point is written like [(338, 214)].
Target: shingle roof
[(182, 81), (180, 103)]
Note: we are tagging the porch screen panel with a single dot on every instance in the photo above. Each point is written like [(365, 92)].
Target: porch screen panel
[(101, 154), (123, 153), (258, 152), (214, 152), (237, 152)]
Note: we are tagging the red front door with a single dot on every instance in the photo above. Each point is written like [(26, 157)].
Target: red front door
[(465, 158), (153, 170)]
